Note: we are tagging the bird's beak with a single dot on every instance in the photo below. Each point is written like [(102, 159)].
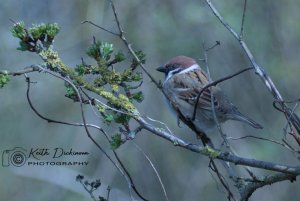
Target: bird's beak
[(161, 69)]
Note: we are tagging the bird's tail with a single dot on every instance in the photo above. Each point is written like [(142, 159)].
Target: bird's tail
[(240, 117)]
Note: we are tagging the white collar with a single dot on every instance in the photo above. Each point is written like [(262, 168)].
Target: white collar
[(192, 67), (172, 72)]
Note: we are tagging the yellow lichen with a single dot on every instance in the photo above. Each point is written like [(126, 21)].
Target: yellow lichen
[(210, 152), (55, 63), (114, 87)]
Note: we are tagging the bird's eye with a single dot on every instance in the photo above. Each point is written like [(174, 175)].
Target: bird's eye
[(175, 71), (171, 67)]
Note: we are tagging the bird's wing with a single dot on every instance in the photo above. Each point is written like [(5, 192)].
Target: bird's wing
[(188, 86)]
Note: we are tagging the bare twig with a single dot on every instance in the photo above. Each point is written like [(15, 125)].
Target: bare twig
[(108, 192), (29, 69), (212, 164), (214, 83), (265, 139), (243, 19), (130, 178), (160, 122), (223, 135), (214, 168), (154, 169), (100, 27), (90, 191)]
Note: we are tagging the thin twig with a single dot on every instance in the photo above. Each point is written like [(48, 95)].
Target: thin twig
[(265, 139), (155, 170), (29, 69), (223, 135), (228, 168), (85, 125), (162, 123), (88, 190), (108, 192), (214, 168), (100, 27), (243, 20), (214, 84)]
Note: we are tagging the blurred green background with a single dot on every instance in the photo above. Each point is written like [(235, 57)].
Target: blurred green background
[(162, 29)]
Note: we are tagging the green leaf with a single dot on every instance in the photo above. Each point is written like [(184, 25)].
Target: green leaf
[(23, 46), (38, 31), (18, 30), (100, 50), (119, 57), (94, 50), (139, 96), (142, 57), (70, 92), (101, 108), (80, 69), (52, 30), (106, 49), (108, 118), (122, 119), (4, 79), (137, 77), (116, 141)]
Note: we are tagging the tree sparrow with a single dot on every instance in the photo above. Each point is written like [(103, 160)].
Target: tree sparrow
[(184, 79)]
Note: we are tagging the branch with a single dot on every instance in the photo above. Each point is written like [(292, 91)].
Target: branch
[(243, 19), (29, 69), (104, 29), (210, 152), (247, 191), (268, 140), (125, 174), (154, 169), (214, 168)]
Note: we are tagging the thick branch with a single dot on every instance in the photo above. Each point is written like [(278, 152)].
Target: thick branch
[(247, 191), (207, 151)]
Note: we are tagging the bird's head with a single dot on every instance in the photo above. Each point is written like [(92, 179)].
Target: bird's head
[(176, 65)]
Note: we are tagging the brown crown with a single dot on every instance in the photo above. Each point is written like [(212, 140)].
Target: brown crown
[(182, 61)]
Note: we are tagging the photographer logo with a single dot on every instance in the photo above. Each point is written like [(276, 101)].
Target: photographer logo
[(16, 157), (19, 156)]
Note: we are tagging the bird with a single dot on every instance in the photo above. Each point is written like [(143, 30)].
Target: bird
[(184, 79)]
